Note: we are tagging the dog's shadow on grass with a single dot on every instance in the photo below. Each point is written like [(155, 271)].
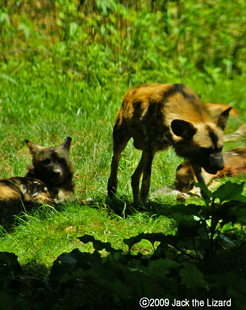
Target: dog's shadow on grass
[(120, 205), (9, 221), (124, 207)]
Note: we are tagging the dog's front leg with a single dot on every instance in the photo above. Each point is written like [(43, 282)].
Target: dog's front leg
[(112, 181)]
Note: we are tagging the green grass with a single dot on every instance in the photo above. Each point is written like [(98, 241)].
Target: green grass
[(46, 114)]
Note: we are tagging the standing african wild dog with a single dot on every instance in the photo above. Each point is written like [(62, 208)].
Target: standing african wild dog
[(48, 180), (157, 116)]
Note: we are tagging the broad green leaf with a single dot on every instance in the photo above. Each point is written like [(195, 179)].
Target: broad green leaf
[(230, 243), (161, 267), (206, 194), (229, 191), (192, 277)]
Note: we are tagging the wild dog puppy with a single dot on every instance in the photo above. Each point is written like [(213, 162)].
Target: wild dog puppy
[(157, 116), (48, 180), (234, 165)]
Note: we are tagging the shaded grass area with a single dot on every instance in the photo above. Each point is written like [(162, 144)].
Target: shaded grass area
[(42, 234)]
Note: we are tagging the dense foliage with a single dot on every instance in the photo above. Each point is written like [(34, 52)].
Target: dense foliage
[(92, 41)]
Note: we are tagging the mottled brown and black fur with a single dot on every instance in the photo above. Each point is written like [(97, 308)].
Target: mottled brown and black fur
[(17, 190), (48, 180), (157, 116)]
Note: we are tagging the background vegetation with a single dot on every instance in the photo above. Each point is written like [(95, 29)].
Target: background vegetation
[(64, 68)]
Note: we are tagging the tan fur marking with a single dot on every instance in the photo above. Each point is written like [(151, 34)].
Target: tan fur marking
[(7, 193)]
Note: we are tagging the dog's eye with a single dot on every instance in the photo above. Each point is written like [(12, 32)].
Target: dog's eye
[(46, 161), (62, 161)]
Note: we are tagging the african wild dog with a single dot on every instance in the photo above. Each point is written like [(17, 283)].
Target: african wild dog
[(234, 165), (48, 180), (157, 116)]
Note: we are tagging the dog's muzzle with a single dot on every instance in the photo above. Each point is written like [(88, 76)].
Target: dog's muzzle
[(214, 163)]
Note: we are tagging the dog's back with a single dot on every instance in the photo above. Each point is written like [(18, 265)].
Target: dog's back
[(10, 195), (17, 190), (148, 110)]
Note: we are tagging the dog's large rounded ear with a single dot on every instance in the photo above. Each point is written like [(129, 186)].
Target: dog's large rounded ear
[(222, 120), (34, 148), (67, 143), (183, 129)]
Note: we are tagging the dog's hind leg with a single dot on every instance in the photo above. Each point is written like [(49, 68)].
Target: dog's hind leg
[(146, 176), (136, 178), (144, 167)]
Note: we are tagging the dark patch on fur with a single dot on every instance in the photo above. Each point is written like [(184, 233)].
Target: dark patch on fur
[(11, 183), (137, 107), (180, 88), (213, 137), (155, 108), (168, 93)]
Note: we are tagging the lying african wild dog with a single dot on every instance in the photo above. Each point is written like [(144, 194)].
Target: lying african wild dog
[(157, 116), (48, 180), (234, 165)]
